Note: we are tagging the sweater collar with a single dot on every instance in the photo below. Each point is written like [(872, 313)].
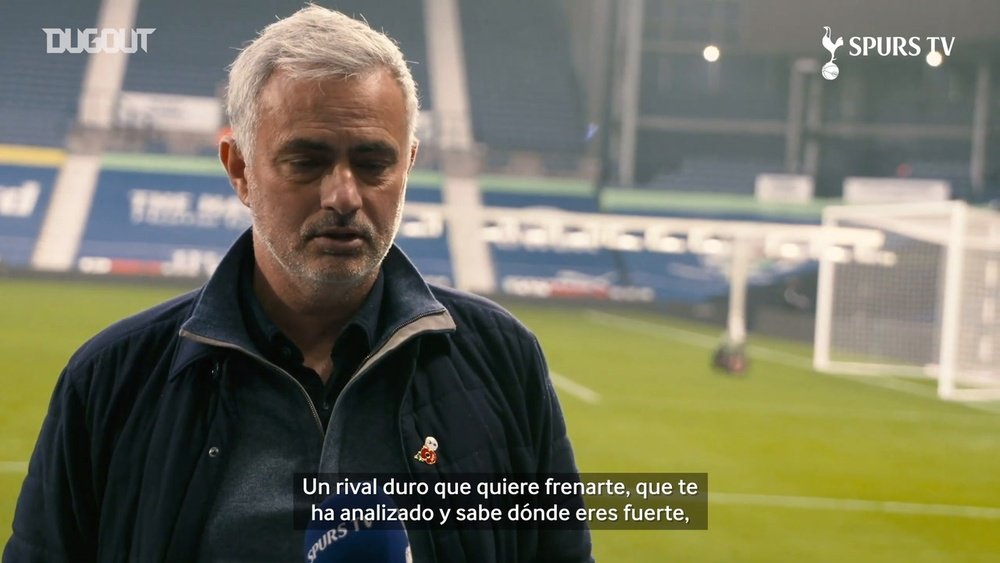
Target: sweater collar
[(216, 319)]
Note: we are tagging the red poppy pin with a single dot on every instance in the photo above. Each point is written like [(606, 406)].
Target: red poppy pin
[(428, 453)]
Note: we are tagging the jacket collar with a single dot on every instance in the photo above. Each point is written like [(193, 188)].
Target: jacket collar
[(216, 319)]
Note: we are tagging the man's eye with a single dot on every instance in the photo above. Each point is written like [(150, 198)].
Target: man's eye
[(303, 163), (372, 166)]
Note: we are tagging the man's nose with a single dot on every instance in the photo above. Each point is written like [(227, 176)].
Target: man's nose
[(339, 190)]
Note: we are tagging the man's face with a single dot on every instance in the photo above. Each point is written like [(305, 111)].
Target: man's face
[(328, 176)]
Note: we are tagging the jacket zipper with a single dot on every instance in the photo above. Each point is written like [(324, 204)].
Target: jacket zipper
[(365, 365), (371, 360), (224, 344)]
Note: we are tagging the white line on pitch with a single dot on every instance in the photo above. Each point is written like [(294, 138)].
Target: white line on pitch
[(694, 338), (778, 357), (581, 392), (13, 466), (857, 505), (805, 411), (648, 327)]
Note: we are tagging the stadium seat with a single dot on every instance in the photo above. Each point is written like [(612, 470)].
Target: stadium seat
[(39, 107), (521, 85)]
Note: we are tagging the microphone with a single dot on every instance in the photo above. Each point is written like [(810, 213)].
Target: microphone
[(329, 538)]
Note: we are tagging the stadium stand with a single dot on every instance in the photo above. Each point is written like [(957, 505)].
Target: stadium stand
[(522, 90), (39, 107), (574, 203), (191, 54), (739, 87), (956, 173), (715, 175), (25, 193), (913, 106)]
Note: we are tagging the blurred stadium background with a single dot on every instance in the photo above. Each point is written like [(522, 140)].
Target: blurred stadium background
[(640, 181)]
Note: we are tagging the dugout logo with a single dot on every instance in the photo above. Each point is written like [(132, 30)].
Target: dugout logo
[(882, 46), (93, 40)]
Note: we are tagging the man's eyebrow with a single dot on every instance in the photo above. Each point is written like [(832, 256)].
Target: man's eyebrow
[(312, 145), (305, 145), (374, 147)]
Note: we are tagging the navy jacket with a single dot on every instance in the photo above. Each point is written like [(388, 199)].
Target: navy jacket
[(134, 444)]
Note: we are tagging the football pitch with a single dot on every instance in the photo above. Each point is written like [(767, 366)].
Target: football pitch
[(802, 466)]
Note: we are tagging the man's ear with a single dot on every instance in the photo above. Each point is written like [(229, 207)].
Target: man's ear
[(413, 155), (236, 167)]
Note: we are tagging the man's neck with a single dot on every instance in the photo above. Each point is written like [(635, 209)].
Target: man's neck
[(312, 318)]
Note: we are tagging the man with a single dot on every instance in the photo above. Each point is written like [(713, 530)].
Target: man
[(316, 346)]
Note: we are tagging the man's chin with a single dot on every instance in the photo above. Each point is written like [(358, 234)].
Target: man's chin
[(346, 272)]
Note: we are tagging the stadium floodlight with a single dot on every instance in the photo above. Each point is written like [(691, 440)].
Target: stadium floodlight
[(925, 305), (711, 53), (935, 59)]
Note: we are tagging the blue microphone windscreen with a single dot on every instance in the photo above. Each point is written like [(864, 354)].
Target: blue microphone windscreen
[(333, 536)]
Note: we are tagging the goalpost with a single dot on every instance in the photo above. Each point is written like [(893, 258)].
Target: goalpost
[(931, 307), (739, 243)]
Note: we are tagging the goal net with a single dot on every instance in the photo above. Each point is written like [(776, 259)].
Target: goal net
[(927, 306)]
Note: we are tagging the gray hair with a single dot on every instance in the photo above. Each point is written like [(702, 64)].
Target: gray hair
[(312, 44)]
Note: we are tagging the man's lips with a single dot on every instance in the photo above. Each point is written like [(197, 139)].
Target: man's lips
[(340, 239), (340, 234)]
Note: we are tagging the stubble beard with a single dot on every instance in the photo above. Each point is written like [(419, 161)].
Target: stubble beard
[(294, 258)]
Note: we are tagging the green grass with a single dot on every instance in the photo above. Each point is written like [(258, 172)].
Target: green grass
[(782, 431), (788, 452)]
